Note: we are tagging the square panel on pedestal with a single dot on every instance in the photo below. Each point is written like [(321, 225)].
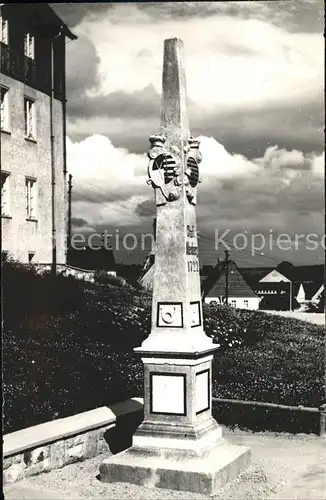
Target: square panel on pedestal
[(168, 393), (202, 391), (195, 314), (169, 315)]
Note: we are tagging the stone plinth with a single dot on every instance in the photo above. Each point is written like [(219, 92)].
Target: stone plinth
[(205, 474), (179, 445)]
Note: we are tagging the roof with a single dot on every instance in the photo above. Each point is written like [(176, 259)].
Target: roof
[(313, 273), (215, 285), (147, 279), (51, 18), (254, 274), (40, 15), (87, 258)]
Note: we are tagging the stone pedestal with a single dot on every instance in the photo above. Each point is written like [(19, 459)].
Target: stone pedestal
[(179, 446)]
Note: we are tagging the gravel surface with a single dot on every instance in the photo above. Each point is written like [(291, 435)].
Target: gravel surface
[(284, 466)]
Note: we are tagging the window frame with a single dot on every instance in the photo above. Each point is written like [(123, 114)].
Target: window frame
[(6, 175), (4, 34), (29, 45), (246, 303), (233, 303), (31, 198), (4, 108), (30, 135)]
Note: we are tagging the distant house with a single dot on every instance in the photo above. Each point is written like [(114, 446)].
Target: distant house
[(92, 260), (274, 285), (240, 293)]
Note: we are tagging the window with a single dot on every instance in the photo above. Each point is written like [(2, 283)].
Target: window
[(246, 303), (31, 256), (5, 194), (4, 110), (29, 106), (3, 30), (30, 198), (29, 45), (233, 303)]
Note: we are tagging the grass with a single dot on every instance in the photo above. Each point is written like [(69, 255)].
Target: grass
[(70, 349)]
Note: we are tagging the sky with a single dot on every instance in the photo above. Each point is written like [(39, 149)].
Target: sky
[(255, 83)]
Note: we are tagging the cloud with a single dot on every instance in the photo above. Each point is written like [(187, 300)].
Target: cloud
[(241, 69), (255, 95), (78, 222), (281, 64), (304, 16), (220, 164), (281, 190), (318, 164), (142, 103), (82, 77), (73, 14), (108, 182)]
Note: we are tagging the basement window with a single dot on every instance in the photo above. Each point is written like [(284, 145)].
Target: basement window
[(31, 256)]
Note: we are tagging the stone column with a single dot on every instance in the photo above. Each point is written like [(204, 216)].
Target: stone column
[(179, 445)]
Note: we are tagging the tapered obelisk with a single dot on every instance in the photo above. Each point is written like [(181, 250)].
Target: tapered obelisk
[(179, 445)]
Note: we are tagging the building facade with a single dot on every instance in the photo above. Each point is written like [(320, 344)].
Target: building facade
[(33, 133)]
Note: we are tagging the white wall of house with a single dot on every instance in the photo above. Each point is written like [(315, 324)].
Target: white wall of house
[(251, 303)]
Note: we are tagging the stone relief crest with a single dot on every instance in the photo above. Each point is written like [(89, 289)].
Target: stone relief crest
[(165, 168), (192, 159)]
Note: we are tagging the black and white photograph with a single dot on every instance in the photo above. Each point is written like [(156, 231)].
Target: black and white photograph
[(163, 250)]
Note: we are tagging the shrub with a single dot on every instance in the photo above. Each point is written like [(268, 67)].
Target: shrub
[(103, 278), (259, 418), (68, 347), (27, 293)]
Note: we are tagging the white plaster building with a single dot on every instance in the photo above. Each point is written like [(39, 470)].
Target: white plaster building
[(240, 294)]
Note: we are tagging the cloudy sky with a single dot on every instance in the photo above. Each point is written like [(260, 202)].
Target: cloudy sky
[(255, 79)]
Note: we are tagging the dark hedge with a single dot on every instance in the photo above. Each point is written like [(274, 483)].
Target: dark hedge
[(68, 347)]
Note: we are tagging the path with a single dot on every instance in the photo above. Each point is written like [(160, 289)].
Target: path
[(316, 318), (284, 466)]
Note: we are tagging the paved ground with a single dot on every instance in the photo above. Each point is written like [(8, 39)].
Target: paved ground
[(284, 466), (317, 318)]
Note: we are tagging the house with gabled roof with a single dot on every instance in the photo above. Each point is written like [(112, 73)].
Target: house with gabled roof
[(274, 285), (240, 293)]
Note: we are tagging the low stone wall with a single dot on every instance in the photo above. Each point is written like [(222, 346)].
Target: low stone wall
[(55, 444)]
